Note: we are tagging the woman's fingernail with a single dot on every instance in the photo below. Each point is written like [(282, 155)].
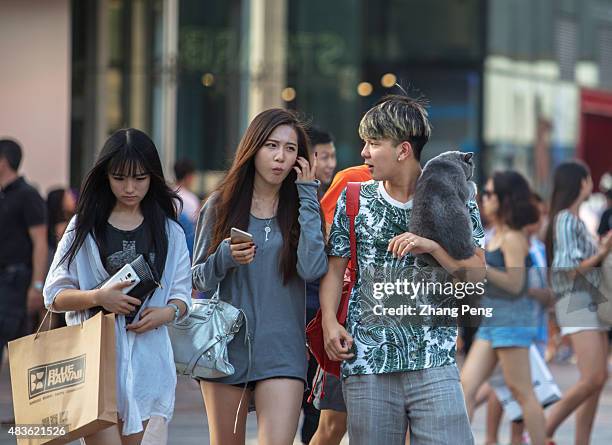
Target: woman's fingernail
[(316, 154)]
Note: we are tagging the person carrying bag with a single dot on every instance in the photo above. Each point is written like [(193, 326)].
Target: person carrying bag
[(126, 214), (259, 239)]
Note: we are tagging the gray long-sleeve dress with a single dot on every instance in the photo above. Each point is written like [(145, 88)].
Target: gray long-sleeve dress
[(275, 312)]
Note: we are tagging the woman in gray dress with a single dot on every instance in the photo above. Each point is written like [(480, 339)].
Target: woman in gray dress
[(270, 191)]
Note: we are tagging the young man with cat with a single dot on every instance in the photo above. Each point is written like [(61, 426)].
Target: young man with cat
[(397, 376)]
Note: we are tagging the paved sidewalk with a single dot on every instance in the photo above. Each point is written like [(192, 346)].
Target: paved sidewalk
[(189, 424)]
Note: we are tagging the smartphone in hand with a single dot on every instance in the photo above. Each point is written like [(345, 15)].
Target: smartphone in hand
[(126, 273), (238, 236)]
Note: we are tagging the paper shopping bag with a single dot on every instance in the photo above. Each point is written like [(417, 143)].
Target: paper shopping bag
[(544, 386), (64, 377)]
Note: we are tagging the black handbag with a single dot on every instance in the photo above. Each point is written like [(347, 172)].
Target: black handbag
[(149, 281)]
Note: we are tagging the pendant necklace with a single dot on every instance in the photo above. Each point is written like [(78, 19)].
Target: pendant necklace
[(267, 229)]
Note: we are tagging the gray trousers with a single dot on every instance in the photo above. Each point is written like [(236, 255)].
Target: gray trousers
[(429, 403)]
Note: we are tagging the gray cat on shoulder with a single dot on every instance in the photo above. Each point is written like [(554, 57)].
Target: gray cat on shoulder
[(439, 210)]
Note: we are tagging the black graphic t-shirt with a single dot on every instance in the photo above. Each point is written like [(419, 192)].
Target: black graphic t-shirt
[(124, 246)]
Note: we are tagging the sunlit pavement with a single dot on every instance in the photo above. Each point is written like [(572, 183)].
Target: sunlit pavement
[(189, 424)]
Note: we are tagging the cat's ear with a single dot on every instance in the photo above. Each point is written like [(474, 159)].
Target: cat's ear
[(468, 156)]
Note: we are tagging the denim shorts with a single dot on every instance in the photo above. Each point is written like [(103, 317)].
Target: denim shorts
[(506, 337)]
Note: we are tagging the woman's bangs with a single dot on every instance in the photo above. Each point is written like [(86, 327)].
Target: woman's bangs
[(127, 162)]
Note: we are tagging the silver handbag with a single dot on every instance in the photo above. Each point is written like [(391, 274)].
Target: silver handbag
[(200, 341)]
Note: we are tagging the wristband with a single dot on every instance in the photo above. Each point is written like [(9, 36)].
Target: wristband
[(177, 311)]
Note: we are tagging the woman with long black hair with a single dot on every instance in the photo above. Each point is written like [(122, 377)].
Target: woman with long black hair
[(575, 273), (506, 336), (271, 192), (125, 210)]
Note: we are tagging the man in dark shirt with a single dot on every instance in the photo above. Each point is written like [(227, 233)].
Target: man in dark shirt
[(23, 246)]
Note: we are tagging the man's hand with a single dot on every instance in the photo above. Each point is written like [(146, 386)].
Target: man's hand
[(152, 318), (410, 243), (40, 257), (337, 341), (35, 300)]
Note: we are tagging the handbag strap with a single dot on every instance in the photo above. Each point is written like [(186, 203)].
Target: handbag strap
[(214, 299), (247, 341), (353, 190), (48, 314)]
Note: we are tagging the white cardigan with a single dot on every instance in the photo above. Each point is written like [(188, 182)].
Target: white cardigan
[(146, 376)]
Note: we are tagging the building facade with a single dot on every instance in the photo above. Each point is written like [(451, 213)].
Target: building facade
[(512, 81), (543, 58)]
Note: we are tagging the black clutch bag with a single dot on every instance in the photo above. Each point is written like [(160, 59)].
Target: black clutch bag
[(149, 281)]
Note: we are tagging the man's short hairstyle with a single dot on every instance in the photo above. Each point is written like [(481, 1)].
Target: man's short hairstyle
[(183, 168), (398, 118), (11, 151), (318, 136)]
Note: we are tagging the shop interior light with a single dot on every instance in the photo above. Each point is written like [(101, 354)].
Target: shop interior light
[(388, 80), (365, 89), (288, 94), (208, 80)]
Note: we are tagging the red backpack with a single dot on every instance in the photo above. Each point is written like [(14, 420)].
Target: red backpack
[(314, 330)]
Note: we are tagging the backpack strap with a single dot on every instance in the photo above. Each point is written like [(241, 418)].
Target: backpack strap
[(353, 190)]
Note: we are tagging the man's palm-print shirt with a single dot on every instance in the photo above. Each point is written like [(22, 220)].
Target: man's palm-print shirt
[(385, 343)]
